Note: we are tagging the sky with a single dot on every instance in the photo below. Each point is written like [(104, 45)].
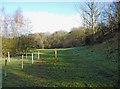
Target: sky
[(47, 16)]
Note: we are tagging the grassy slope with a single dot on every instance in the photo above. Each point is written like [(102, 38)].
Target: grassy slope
[(84, 66)]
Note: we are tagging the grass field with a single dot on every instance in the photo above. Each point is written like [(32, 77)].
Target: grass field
[(85, 66)]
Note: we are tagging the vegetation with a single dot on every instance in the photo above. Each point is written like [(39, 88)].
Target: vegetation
[(87, 55), (104, 21), (86, 66)]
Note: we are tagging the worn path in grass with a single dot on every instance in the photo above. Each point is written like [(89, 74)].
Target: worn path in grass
[(77, 67)]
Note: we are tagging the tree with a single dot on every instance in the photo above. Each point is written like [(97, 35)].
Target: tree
[(117, 15), (74, 38), (38, 40), (21, 28), (56, 39), (26, 43), (90, 13), (13, 28)]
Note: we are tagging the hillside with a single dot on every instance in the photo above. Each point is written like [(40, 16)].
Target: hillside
[(87, 66)]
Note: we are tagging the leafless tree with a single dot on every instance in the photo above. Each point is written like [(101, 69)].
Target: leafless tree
[(90, 13)]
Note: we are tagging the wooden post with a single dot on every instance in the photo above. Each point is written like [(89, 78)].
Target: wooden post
[(8, 56), (32, 58), (38, 55), (22, 61), (56, 59), (5, 67)]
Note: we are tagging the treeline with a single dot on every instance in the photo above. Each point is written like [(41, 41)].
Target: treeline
[(60, 39), (99, 25)]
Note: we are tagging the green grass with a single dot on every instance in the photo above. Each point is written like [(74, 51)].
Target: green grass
[(85, 66)]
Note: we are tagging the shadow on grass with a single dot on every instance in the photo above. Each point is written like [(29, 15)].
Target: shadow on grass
[(78, 67)]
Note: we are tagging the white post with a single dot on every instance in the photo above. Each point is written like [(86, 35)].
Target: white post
[(32, 58), (8, 56), (38, 55), (56, 59), (22, 61)]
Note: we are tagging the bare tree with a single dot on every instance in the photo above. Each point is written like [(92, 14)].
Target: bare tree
[(22, 27), (112, 12), (13, 28), (117, 15), (90, 13)]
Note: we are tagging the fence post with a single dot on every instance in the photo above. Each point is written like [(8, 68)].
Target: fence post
[(56, 59), (22, 61), (38, 55), (8, 56), (32, 58), (5, 67)]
